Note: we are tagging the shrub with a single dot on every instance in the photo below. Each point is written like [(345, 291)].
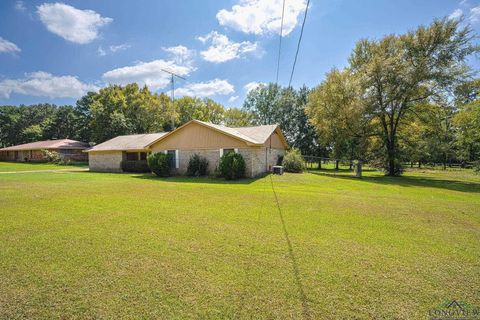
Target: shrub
[(232, 166), (476, 166), (160, 164), (293, 161), (197, 166), (51, 156)]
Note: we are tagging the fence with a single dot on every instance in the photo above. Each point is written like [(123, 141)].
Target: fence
[(314, 162), (436, 165)]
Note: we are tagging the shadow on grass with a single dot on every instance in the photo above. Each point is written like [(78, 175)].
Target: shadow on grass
[(296, 270), (186, 179), (404, 181)]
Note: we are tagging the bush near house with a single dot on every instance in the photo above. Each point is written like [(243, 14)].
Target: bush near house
[(52, 156), (293, 161), (232, 166), (160, 164), (197, 166)]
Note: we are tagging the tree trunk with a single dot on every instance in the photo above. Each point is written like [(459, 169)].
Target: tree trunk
[(391, 158), (320, 163), (411, 164), (336, 164), (351, 165)]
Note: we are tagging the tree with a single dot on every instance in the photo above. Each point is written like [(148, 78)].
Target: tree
[(398, 72), (62, 124), (272, 104), (190, 108), (337, 112), (234, 117), (467, 120), (261, 102)]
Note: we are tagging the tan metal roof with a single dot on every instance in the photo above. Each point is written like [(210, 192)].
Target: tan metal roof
[(129, 142), (49, 144)]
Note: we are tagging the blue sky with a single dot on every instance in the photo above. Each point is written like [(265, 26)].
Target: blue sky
[(56, 51)]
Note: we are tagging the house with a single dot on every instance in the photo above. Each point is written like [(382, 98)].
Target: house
[(67, 149), (261, 146), (111, 154)]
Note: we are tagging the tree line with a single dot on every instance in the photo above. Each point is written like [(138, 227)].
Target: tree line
[(409, 97)]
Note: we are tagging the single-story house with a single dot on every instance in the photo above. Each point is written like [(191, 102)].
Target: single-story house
[(110, 155), (261, 146), (67, 149)]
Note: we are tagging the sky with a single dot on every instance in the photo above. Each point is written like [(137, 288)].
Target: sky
[(55, 52)]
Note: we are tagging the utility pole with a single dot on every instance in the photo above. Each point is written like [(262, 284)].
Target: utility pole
[(172, 81)]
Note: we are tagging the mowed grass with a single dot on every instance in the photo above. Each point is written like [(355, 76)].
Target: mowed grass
[(319, 245), (33, 166)]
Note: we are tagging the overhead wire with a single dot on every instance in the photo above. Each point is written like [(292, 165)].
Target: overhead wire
[(298, 45)]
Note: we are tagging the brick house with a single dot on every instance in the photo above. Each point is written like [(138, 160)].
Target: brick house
[(67, 149), (261, 146)]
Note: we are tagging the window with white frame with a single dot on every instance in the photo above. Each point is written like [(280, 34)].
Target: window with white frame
[(227, 150), (174, 160)]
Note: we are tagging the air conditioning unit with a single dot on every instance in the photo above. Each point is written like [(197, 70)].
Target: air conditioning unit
[(277, 170)]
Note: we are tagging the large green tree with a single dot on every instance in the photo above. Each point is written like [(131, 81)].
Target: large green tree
[(398, 72), (467, 120), (270, 104)]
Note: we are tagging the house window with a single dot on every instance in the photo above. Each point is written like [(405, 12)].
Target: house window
[(143, 156), (225, 151), (173, 159), (65, 151), (132, 156)]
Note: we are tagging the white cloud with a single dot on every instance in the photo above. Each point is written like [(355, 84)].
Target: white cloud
[(456, 14), (101, 52), (262, 16), (8, 46), (223, 49), (43, 84), (252, 86), (180, 54), (72, 24), (113, 48), (20, 6), (474, 14), (120, 47), (232, 99), (206, 89), (148, 73)]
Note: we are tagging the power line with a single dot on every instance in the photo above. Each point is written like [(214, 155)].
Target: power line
[(280, 42), (298, 45)]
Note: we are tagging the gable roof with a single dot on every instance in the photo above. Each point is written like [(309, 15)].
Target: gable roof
[(49, 144), (128, 142), (256, 135)]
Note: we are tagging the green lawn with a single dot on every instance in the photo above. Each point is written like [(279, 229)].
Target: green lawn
[(93, 245), (33, 166)]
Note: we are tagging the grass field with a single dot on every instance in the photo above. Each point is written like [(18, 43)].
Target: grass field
[(34, 166), (317, 245)]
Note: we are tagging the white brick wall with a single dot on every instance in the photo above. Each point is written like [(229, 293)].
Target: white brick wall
[(254, 159)]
